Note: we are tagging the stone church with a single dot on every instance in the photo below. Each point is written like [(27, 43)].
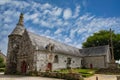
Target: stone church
[(31, 52)]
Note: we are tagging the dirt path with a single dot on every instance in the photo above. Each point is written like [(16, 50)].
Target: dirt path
[(102, 77), (15, 77)]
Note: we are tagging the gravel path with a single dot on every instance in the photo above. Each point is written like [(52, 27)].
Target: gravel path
[(102, 77), (16, 77)]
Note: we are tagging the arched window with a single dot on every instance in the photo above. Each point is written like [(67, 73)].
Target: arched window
[(56, 59)]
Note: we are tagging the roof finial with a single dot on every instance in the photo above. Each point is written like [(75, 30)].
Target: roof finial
[(21, 20)]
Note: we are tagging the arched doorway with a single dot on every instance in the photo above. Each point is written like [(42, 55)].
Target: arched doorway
[(23, 67), (91, 66), (49, 66)]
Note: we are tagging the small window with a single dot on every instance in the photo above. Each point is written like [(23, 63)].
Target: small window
[(65, 61), (73, 61), (52, 47), (56, 59), (46, 47), (68, 61), (82, 63)]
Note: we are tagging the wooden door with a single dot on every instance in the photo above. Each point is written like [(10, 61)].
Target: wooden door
[(23, 67), (50, 66)]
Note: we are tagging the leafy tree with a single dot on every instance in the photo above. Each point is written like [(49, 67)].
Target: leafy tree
[(103, 38), (2, 62)]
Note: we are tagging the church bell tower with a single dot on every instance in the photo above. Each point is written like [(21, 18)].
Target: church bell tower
[(13, 46)]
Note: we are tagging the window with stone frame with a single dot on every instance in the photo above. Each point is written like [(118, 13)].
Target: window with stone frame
[(56, 60), (68, 61)]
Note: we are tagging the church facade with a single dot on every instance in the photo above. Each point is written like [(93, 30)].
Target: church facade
[(31, 52)]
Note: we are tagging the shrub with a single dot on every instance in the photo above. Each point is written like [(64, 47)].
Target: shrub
[(68, 76), (2, 69), (2, 64)]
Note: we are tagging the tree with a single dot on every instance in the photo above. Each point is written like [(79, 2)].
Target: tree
[(2, 62), (103, 38)]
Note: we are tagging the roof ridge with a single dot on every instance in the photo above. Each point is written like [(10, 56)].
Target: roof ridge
[(53, 40), (40, 42), (96, 47)]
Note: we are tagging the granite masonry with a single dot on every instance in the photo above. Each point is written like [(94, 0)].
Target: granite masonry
[(31, 52)]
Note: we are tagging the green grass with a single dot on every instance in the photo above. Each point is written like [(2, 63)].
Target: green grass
[(83, 72), (2, 69), (86, 72)]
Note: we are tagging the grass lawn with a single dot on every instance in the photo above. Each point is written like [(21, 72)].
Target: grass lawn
[(2, 69), (84, 72)]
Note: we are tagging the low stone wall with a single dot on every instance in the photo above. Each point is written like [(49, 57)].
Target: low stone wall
[(109, 71), (66, 76)]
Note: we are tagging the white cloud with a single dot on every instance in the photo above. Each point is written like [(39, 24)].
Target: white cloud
[(3, 33), (6, 26), (30, 29), (46, 12), (81, 30), (45, 6), (67, 13), (59, 22), (57, 11), (44, 23), (72, 33), (7, 20), (67, 40), (77, 11), (47, 32), (36, 21), (4, 1), (21, 4), (50, 22), (66, 23), (33, 16), (58, 31)]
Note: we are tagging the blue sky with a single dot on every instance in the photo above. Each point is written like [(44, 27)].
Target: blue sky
[(67, 21)]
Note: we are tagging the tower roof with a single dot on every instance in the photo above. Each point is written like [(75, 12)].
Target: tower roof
[(19, 29), (21, 18)]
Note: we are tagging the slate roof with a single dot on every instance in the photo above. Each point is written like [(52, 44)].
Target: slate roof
[(1, 54), (19, 30), (94, 51), (41, 42)]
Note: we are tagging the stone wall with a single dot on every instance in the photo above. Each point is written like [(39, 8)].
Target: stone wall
[(13, 49), (68, 76), (26, 53), (62, 63), (95, 62), (42, 61)]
